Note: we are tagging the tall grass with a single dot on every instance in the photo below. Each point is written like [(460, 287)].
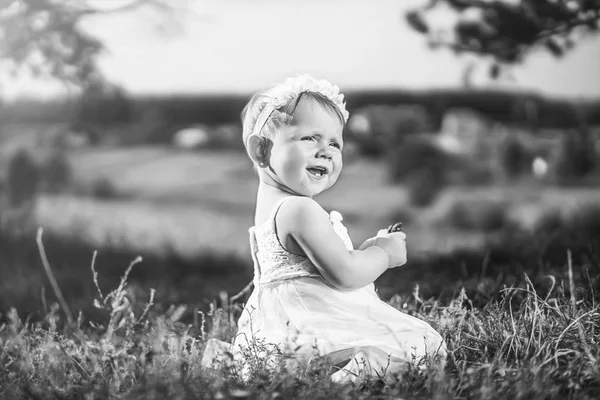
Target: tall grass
[(528, 341)]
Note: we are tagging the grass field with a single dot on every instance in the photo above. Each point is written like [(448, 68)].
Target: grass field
[(528, 344)]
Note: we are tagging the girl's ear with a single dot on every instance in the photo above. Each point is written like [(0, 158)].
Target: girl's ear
[(259, 150)]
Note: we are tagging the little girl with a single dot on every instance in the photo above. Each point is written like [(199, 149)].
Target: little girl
[(313, 292)]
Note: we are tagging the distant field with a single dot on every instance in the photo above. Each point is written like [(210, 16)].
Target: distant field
[(27, 136), (192, 201)]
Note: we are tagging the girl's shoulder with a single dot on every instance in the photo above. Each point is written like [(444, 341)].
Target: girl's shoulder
[(298, 206), (298, 215), (295, 212)]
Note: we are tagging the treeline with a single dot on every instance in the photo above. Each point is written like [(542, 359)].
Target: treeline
[(503, 106), (529, 109)]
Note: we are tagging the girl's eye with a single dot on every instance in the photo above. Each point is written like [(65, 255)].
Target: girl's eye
[(311, 138), (336, 145)]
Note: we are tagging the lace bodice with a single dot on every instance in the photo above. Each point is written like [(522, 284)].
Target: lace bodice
[(273, 263)]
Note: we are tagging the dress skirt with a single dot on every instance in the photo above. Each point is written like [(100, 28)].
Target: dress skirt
[(308, 318)]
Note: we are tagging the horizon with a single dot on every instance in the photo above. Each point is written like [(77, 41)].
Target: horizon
[(532, 92)]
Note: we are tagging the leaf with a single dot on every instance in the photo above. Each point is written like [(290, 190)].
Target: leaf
[(417, 22), (554, 47)]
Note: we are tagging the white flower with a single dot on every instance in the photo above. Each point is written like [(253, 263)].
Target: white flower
[(292, 87), (335, 216), (339, 228)]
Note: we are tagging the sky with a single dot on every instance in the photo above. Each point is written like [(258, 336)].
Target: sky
[(240, 46)]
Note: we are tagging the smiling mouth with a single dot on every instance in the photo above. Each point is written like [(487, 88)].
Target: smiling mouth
[(318, 172)]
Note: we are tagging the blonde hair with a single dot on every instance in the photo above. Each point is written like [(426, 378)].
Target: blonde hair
[(282, 115)]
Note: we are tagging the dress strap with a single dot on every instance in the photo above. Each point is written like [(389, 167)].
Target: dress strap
[(253, 251), (272, 218), (276, 207)]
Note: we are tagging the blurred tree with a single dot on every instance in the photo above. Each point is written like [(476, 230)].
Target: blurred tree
[(515, 159), (23, 178), (508, 29), (411, 155), (424, 186), (100, 103), (56, 173), (577, 157), (44, 38)]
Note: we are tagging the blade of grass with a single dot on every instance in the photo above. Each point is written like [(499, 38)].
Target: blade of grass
[(584, 342), (51, 278), (244, 291), (95, 274)]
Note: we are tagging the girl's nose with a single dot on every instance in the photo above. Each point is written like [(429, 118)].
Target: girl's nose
[(323, 152)]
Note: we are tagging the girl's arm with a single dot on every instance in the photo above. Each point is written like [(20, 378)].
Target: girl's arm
[(308, 225)]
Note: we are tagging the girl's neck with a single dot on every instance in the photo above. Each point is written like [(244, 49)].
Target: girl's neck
[(270, 183), (268, 192), (266, 197)]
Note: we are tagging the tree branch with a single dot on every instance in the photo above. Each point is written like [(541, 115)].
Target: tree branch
[(507, 31)]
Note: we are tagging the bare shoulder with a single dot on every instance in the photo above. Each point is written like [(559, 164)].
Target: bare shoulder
[(299, 208), (298, 214)]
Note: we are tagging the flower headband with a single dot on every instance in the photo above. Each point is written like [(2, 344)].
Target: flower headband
[(281, 95)]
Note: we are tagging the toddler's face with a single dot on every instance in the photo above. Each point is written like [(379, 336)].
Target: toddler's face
[(307, 155)]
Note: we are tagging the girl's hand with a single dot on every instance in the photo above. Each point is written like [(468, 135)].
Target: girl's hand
[(394, 244), (371, 241)]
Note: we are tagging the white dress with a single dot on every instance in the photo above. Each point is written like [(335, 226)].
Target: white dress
[(294, 308)]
